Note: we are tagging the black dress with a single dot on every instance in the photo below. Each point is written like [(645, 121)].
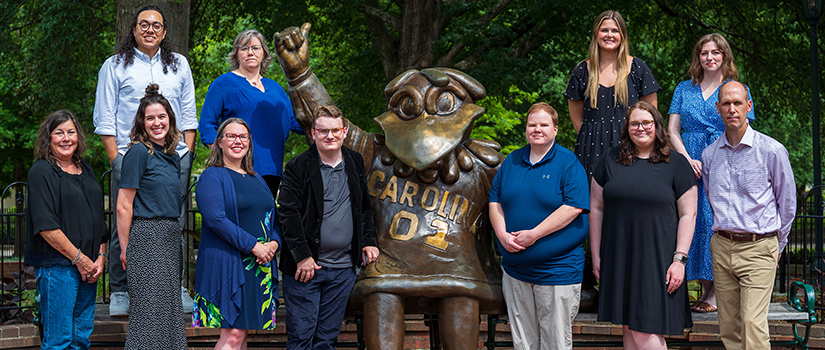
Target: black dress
[(638, 240), (602, 126)]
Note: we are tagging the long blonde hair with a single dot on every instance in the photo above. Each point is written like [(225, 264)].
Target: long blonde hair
[(592, 92)]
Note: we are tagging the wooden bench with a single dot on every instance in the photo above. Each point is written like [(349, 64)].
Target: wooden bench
[(798, 310)]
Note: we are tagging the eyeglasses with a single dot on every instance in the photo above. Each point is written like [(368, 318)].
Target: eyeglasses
[(646, 124), (145, 25), (336, 132), (232, 137), (254, 48)]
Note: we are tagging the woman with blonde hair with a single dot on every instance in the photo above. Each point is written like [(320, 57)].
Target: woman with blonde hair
[(603, 86), (695, 124)]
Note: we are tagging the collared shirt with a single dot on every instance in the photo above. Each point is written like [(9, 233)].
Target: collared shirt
[(119, 90), (750, 186), (530, 192), (336, 228)]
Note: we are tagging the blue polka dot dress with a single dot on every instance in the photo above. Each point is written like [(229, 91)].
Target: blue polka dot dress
[(701, 126), (602, 125)]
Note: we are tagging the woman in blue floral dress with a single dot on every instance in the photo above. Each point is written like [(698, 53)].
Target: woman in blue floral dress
[(695, 124), (236, 288)]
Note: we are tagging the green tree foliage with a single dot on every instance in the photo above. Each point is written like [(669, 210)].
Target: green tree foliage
[(521, 51), (50, 52)]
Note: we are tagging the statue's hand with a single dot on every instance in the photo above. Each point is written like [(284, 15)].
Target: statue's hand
[(293, 50)]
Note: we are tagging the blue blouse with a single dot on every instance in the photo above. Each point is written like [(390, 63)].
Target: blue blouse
[(269, 115), (223, 242)]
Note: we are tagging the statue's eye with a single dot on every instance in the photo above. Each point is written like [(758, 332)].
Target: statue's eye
[(407, 107), (407, 102), (446, 102)]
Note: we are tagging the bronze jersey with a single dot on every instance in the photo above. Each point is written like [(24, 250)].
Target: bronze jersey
[(431, 226)]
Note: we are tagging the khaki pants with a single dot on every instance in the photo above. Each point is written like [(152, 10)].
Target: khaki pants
[(743, 276), (541, 317)]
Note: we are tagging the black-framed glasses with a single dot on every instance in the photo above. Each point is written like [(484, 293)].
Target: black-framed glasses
[(336, 132), (254, 48), (646, 124), (232, 137), (145, 25)]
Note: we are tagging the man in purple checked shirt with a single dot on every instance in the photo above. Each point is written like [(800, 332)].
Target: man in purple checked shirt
[(750, 186)]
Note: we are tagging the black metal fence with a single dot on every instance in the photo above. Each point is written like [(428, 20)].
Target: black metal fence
[(802, 260)]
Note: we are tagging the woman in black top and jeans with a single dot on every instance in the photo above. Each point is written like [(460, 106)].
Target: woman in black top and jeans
[(65, 231)]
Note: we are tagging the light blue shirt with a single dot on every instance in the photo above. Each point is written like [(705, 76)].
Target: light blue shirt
[(119, 90)]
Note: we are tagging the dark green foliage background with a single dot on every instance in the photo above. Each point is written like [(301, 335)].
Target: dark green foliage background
[(51, 50)]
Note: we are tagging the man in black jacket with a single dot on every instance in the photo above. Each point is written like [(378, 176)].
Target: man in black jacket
[(328, 229)]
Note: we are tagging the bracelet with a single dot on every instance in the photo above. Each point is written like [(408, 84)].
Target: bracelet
[(103, 255), (678, 252), (682, 259), (77, 258)]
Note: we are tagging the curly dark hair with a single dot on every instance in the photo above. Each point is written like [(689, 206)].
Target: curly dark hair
[(126, 50), (628, 153), (42, 145), (139, 135)]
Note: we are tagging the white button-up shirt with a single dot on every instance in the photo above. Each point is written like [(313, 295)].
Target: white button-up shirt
[(119, 90)]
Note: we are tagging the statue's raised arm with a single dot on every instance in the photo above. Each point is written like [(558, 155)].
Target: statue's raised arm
[(305, 90)]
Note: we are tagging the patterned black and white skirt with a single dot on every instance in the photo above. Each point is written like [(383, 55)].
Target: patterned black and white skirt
[(153, 266)]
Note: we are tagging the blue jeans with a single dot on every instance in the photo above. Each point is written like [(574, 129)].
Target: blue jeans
[(315, 310), (67, 307)]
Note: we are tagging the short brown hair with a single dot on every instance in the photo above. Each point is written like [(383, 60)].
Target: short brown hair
[(42, 145), (547, 108), (326, 111)]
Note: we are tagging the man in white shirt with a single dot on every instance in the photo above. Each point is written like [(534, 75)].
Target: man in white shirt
[(143, 58)]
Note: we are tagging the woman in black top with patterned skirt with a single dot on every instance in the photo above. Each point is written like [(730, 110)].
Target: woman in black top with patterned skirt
[(148, 206)]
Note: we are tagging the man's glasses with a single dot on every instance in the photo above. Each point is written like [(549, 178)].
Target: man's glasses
[(254, 48), (145, 25), (336, 132), (233, 137), (646, 124)]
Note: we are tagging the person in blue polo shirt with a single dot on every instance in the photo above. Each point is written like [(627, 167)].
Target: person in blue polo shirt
[(538, 208)]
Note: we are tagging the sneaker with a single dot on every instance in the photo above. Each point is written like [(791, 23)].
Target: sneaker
[(186, 300), (119, 304)]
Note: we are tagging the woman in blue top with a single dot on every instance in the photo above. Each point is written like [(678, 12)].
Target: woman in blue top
[(235, 287), (246, 94), (148, 207), (695, 124)]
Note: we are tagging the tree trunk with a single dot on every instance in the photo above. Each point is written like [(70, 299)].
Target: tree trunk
[(175, 13), (404, 41)]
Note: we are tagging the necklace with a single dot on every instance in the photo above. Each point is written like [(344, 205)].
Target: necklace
[(239, 171), (254, 80)]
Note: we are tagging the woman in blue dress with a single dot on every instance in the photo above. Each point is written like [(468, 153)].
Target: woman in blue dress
[(246, 94), (603, 86), (235, 287), (695, 124)]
